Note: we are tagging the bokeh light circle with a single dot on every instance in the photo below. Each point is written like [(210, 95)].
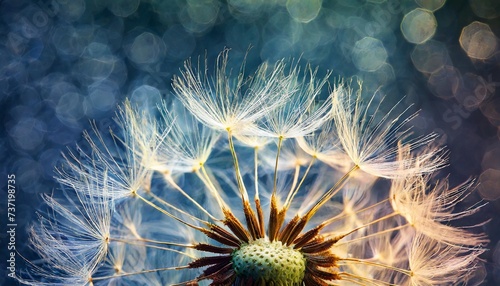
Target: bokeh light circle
[(369, 54), (303, 10), (478, 41), (418, 26), (431, 5)]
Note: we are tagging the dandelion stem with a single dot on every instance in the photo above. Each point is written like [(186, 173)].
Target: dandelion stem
[(375, 264), (331, 192), (297, 229), (275, 180), (153, 246), (256, 172), (364, 280), (210, 186), (239, 180), (294, 190), (294, 181), (373, 234), (170, 180), (162, 201), (344, 214), (372, 222), (277, 216), (252, 222), (258, 207), (140, 272), (167, 213), (154, 241)]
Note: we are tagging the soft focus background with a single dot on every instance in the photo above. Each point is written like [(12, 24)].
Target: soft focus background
[(66, 63)]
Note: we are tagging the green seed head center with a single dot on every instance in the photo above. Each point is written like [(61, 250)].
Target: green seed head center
[(266, 261)]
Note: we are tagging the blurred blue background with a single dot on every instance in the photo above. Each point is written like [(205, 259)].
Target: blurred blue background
[(66, 63)]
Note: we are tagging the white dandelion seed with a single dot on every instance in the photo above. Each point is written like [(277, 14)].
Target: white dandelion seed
[(123, 258), (370, 142), (302, 113), (223, 103), (140, 130), (74, 239), (256, 142), (123, 163), (291, 157), (434, 263), (430, 210), (324, 145), (186, 144)]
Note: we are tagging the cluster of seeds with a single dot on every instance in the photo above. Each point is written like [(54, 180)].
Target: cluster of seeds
[(270, 262)]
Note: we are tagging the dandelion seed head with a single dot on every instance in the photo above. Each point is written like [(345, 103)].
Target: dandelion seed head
[(257, 180)]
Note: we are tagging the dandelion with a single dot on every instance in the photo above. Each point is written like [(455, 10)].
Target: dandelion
[(170, 201)]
